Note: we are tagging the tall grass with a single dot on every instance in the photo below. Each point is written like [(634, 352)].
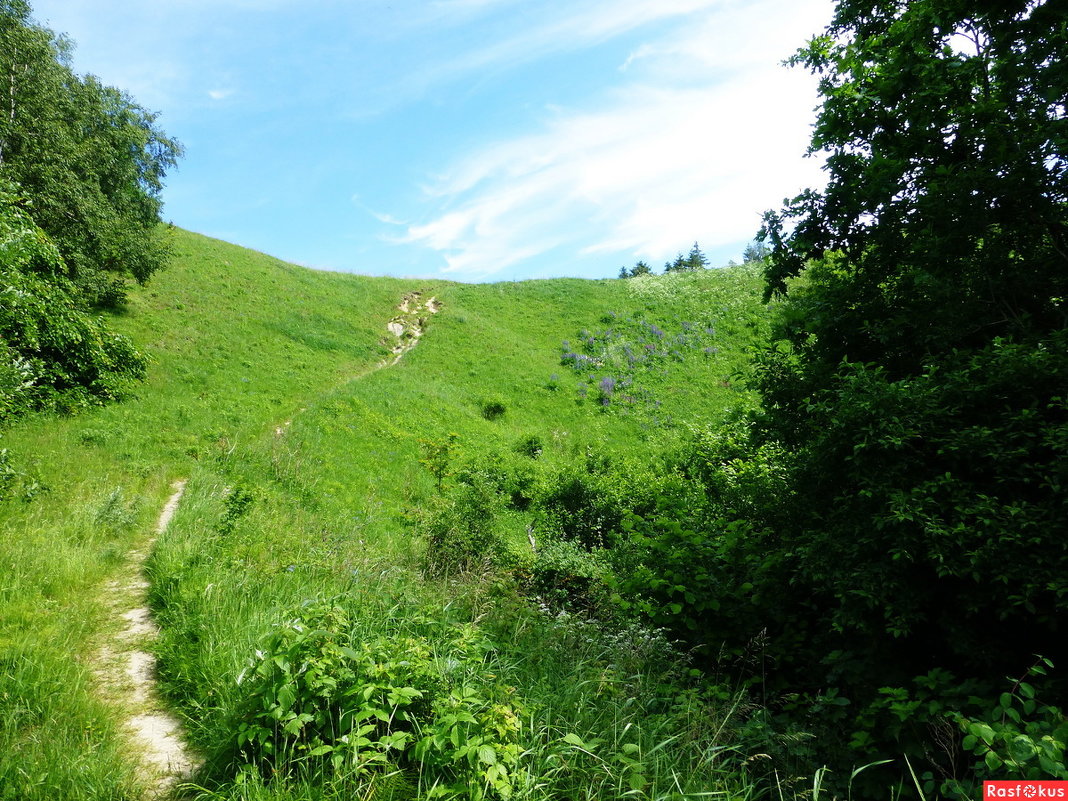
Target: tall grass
[(263, 382)]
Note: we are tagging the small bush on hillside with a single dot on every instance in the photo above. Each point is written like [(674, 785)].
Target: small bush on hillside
[(460, 528), (437, 455), (566, 576), (530, 446), (8, 473), (493, 408), (237, 504), (586, 501)]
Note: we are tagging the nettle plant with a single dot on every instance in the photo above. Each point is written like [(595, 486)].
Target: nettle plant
[(323, 699), (1020, 736)]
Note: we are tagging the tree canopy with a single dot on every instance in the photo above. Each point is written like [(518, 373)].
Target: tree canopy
[(90, 160), (944, 125), (81, 169), (914, 390)]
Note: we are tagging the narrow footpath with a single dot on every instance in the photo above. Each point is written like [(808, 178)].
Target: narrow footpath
[(126, 670)]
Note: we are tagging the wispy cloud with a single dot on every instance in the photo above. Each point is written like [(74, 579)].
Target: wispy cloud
[(548, 27), (707, 132), (643, 124)]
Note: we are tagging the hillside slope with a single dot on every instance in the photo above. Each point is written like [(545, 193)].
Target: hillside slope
[(307, 462)]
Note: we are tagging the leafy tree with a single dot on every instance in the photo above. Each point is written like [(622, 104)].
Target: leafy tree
[(54, 354), (89, 158), (918, 375), (914, 417), (944, 121)]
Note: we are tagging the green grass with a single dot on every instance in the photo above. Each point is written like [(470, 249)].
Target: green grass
[(263, 378)]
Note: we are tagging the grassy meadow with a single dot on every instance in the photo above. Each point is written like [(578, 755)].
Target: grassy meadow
[(307, 536)]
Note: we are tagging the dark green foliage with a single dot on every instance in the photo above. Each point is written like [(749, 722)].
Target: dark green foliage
[(493, 408), (81, 167), (583, 503), (321, 701), (920, 372), (565, 575), (237, 504), (530, 446), (90, 159), (1020, 735), (944, 124), (460, 526), (639, 268), (917, 377), (8, 473), (54, 354), (894, 516)]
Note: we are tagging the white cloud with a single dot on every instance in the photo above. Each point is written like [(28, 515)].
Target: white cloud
[(388, 219), (708, 133), (567, 26), (220, 94)]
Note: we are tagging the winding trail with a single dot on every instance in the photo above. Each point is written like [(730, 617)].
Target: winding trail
[(125, 666), (406, 329), (126, 670)]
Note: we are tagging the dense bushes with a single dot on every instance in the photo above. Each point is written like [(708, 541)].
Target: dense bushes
[(882, 619), (916, 378), (81, 167), (54, 354), (323, 700)]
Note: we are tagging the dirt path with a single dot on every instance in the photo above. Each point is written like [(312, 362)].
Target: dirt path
[(125, 666), (409, 325), (126, 670), (406, 329)]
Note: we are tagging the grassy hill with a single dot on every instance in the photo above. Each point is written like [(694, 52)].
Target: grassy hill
[(319, 473)]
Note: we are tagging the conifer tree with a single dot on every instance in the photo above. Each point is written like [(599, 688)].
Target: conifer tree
[(696, 260)]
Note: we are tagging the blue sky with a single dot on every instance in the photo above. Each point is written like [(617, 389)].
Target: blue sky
[(476, 140)]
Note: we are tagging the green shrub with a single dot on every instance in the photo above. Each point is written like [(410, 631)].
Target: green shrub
[(8, 473), (585, 500), (322, 700), (1018, 736), (237, 503), (54, 354), (460, 527), (493, 408), (565, 575), (436, 457), (530, 446)]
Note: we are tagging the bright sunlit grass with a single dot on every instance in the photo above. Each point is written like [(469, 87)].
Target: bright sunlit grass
[(264, 380)]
